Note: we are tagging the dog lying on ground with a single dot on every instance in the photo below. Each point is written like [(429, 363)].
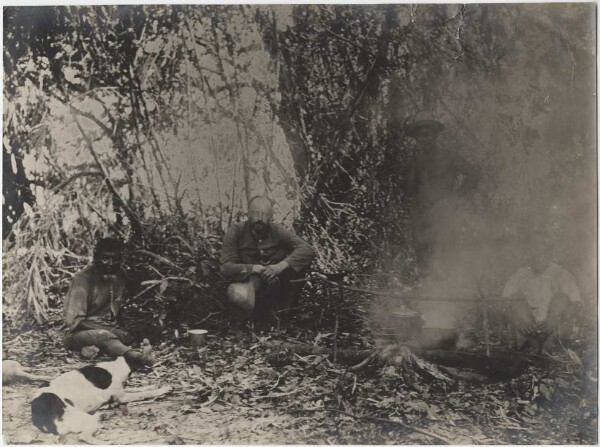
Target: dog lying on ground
[(64, 406)]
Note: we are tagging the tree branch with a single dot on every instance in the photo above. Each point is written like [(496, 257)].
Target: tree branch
[(135, 222), (381, 421), (76, 176)]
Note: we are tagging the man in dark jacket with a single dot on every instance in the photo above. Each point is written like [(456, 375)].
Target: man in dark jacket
[(436, 174), (262, 257), (93, 302)]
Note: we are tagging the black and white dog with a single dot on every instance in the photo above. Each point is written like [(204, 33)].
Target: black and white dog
[(64, 406)]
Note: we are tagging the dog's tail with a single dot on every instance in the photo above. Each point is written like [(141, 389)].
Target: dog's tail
[(35, 377), (12, 370), (46, 409)]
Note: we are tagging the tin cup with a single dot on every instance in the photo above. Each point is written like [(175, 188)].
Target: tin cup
[(197, 337)]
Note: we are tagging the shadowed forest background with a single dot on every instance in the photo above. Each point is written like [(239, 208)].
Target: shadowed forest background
[(158, 123)]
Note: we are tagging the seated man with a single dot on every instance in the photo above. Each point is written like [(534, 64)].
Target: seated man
[(262, 258), (550, 296), (92, 304)]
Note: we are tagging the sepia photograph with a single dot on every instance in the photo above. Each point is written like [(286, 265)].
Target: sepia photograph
[(351, 224)]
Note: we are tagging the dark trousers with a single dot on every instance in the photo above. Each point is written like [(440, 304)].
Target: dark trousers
[(423, 240), (111, 342), (278, 299), (519, 314)]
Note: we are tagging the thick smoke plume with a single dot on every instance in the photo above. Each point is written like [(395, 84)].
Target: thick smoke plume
[(529, 127)]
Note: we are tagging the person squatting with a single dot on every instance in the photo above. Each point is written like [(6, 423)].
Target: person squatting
[(261, 259)]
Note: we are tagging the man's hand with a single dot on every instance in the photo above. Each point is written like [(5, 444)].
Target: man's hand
[(272, 271), (258, 269), (544, 328)]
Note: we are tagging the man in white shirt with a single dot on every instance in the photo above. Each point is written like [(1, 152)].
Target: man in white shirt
[(549, 293)]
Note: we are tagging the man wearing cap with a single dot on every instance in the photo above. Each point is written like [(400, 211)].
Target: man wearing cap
[(93, 303), (435, 174), (262, 257)]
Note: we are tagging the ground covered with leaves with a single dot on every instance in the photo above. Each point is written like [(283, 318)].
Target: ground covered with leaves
[(242, 389)]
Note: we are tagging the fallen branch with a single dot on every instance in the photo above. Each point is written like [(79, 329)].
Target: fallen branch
[(383, 421), (275, 395), (393, 354), (146, 440), (500, 364), (159, 258), (305, 349), (463, 375), (363, 363)]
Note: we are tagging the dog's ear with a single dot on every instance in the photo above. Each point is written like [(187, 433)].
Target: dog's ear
[(46, 410)]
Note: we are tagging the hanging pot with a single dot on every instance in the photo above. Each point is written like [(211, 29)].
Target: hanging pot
[(402, 325)]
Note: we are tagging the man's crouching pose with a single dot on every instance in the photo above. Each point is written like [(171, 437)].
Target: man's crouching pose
[(262, 258), (93, 302), (550, 299)]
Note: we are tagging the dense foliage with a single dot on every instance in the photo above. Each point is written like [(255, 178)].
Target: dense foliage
[(157, 123)]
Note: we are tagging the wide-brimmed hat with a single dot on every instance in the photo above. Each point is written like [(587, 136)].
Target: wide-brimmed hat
[(422, 126), (242, 294)]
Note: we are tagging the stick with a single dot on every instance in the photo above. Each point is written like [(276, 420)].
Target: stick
[(385, 421), (305, 349), (363, 363), (159, 258), (148, 440), (76, 176), (404, 297), (130, 214), (335, 334), (486, 329), (143, 395), (279, 394)]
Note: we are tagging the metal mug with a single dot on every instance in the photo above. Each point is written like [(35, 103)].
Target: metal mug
[(197, 337)]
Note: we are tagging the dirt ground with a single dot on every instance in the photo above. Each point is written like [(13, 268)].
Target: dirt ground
[(170, 419), (237, 391)]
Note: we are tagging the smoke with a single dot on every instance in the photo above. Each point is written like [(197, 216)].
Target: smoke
[(530, 131), (471, 252)]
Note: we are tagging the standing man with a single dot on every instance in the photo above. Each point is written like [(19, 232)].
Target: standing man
[(262, 258), (435, 174), (92, 305)]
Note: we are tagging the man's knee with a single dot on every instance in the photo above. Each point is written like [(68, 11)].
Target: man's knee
[(519, 315), (242, 295)]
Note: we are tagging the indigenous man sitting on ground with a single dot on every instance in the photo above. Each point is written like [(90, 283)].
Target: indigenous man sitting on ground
[(262, 258), (92, 305), (551, 299)]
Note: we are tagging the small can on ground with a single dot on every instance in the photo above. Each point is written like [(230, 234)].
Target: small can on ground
[(197, 337)]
